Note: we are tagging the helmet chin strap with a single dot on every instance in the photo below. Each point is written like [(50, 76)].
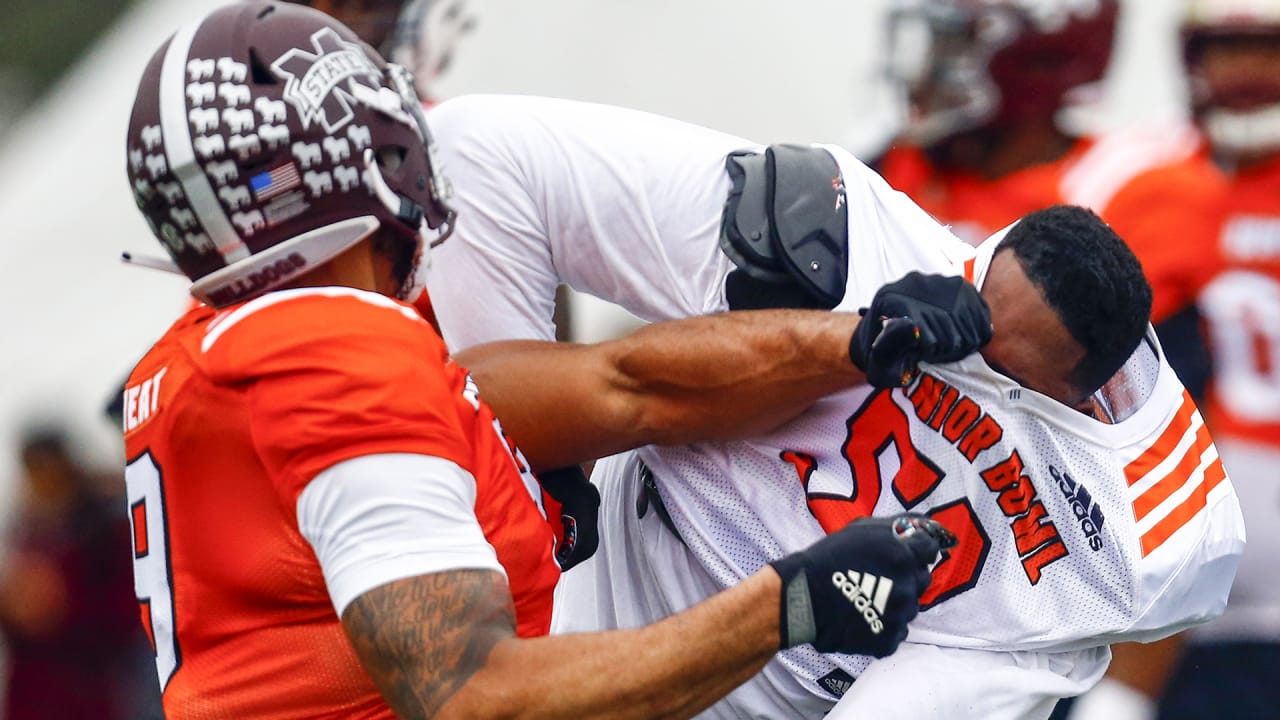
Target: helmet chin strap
[(398, 204)]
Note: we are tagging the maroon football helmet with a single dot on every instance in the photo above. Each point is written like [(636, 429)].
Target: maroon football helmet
[(266, 138), (971, 64)]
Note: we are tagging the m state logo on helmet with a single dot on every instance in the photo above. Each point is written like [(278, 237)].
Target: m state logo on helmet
[(266, 139)]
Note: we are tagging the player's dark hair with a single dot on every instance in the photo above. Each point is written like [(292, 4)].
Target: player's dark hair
[(1091, 280)]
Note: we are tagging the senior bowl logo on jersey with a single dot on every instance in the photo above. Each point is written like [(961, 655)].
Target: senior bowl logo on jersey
[(320, 84)]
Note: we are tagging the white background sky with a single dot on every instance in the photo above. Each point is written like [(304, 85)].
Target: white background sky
[(74, 320)]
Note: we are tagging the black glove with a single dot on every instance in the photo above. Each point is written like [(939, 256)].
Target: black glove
[(577, 534), (855, 590), (934, 318)]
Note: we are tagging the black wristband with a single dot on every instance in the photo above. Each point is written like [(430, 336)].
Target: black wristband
[(796, 624)]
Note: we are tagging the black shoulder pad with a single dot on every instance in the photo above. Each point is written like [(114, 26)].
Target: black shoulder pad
[(810, 219), (786, 223), (746, 234)]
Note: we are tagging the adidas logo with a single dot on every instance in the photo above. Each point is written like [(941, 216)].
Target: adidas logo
[(868, 593), (1086, 511), (837, 682)]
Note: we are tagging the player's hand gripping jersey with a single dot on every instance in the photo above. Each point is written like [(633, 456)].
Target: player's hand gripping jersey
[(1074, 533), (227, 420)]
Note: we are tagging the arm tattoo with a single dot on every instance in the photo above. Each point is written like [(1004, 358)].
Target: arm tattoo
[(422, 638)]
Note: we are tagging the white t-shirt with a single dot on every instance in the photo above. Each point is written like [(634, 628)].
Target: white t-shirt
[(1074, 533), (543, 199)]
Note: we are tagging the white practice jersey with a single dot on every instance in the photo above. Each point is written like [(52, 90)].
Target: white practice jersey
[(1074, 533), (543, 198)]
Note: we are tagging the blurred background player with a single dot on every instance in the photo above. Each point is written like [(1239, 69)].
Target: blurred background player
[(999, 92), (1232, 50), (68, 617), (420, 35), (987, 86), (425, 37)]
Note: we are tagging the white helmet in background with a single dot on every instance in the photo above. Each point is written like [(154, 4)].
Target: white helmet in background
[(425, 37), (1238, 106)]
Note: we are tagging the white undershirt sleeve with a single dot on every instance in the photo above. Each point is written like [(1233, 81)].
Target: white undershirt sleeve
[(379, 518)]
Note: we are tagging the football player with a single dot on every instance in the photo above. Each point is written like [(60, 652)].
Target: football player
[(992, 86), (1231, 49), (327, 519), (1087, 496), (420, 35)]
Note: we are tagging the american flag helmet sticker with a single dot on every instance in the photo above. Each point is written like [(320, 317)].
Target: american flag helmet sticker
[(275, 181)]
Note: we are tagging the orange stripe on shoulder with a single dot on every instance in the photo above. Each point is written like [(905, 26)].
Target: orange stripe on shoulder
[(970, 269), (1183, 513), (1181, 473), (1163, 445)]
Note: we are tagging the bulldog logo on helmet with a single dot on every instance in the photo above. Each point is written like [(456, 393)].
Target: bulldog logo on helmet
[(320, 84)]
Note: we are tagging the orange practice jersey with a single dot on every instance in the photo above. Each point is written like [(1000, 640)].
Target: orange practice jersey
[(973, 206), (1149, 185), (1241, 308), (227, 419)]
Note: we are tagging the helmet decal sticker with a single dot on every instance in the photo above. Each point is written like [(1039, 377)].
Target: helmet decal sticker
[(347, 176), (320, 84), (235, 197), (203, 120), (277, 180), (200, 93), (244, 146), (270, 110), (248, 222), (307, 154), (359, 136), (223, 172), (230, 70), (233, 94), (338, 148), (198, 69), (319, 182), (209, 146)]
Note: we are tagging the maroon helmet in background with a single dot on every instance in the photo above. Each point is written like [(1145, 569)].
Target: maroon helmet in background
[(1236, 102), (266, 138), (373, 21), (976, 64)]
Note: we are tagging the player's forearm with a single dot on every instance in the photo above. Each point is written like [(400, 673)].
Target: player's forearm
[(443, 645), (721, 377), (672, 669), (726, 376)]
